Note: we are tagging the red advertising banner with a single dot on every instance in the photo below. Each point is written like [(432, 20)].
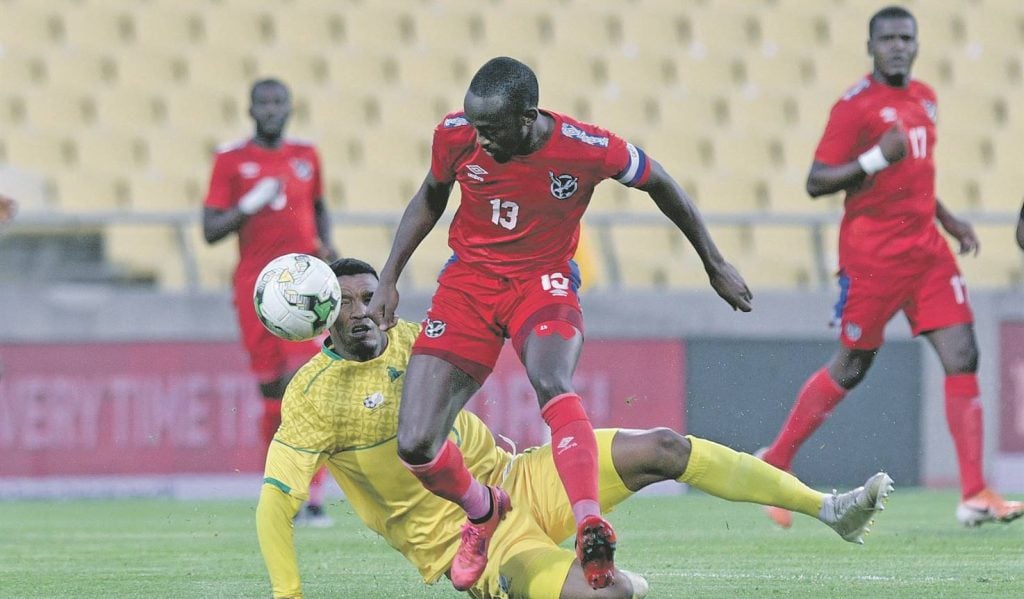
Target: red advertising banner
[(193, 407), (623, 383), (1011, 377)]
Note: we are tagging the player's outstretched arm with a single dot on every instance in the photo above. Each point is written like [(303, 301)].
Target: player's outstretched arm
[(674, 203), (824, 179), (1020, 228), (424, 210), (959, 229)]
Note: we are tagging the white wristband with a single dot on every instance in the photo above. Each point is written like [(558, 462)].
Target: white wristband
[(873, 160)]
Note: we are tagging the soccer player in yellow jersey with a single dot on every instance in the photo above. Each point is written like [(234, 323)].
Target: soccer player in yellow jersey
[(341, 411)]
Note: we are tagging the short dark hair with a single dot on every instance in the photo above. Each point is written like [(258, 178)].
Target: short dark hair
[(508, 78), (344, 267), (268, 81), (889, 12)]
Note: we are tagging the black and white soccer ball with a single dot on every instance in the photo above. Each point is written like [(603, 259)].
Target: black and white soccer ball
[(297, 296)]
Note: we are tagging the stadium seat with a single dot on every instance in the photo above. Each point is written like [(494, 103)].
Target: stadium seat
[(217, 70), (777, 71), (164, 192), (738, 194), (38, 151), (212, 111), (21, 68), (751, 153), (322, 27), (301, 70), (167, 26), (236, 26), (999, 264), (108, 151), (103, 28), (128, 109), (787, 249), (84, 191), (175, 152), (761, 110), (439, 27), (654, 256), (370, 243), (79, 69), (381, 188), (58, 108), (30, 25), (148, 253), (378, 27), (362, 70), (150, 71)]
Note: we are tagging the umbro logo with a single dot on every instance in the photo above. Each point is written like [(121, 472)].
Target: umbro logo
[(475, 172), (566, 444)]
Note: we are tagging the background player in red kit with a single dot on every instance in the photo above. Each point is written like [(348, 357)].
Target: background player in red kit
[(268, 189), (526, 177), (878, 148)]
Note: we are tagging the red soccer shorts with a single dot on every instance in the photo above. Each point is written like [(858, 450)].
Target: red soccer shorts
[(471, 313), (934, 299), (270, 357)]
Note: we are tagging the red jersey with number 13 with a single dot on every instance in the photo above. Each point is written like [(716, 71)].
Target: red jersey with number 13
[(889, 221), (523, 215), (288, 223)]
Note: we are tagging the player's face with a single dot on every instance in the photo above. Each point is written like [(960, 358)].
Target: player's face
[(354, 333), (500, 131), (893, 45), (271, 107)]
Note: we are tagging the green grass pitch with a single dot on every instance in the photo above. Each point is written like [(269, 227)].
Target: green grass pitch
[(687, 546)]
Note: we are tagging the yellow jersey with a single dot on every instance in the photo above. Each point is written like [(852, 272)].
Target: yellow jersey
[(348, 410)]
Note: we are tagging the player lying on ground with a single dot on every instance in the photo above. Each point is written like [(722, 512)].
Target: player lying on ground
[(341, 410)]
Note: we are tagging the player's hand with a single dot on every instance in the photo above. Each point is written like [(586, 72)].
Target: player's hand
[(893, 144), (8, 208), (964, 234), (382, 306), (261, 194), (731, 287)]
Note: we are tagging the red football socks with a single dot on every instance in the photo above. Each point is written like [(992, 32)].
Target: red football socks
[(447, 476), (963, 415), (816, 400), (574, 450)]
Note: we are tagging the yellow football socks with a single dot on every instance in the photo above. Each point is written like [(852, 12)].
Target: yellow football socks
[(729, 474)]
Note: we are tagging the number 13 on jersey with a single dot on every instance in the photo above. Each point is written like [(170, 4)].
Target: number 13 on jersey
[(504, 213)]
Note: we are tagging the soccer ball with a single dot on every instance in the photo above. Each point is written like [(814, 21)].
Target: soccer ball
[(297, 296)]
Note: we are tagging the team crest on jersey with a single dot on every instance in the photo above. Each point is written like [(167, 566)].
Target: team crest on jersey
[(853, 331), (575, 132), (249, 169), (476, 172), (434, 328), (889, 114), (563, 186), (373, 401), (455, 121), (302, 168), (930, 109)]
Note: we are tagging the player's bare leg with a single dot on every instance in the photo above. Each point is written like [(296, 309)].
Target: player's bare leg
[(628, 585), (550, 354)]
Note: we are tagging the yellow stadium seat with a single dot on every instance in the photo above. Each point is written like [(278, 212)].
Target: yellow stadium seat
[(97, 27), (667, 30), (428, 260), (791, 248), (211, 111), (999, 264), (108, 151), (764, 111), (984, 69), (58, 109), (440, 27), (127, 109), (369, 243), (147, 252), (655, 256), (314, 26), (236, 26), (775, 71), (731, 194), (222, 69), (167, 26), (509, 28), (175, 152), (794, 29), (20, 68), (724, 30), (747, 152), (149, 70), (362, 70), (170, 193), (959, 190), (78, 69), (378, 27), (84, 191), (712, 74), (380, 188), (433, 71), (38, 151), (30, 25), (301, 70)]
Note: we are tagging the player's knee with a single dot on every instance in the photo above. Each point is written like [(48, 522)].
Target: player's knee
[(550, 384), (668, 452), (414, 448), (964, 358)]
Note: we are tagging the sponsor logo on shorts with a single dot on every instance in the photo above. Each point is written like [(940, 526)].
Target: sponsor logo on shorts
[(563, 186), (434, 328), (373, 401), (853, 331)]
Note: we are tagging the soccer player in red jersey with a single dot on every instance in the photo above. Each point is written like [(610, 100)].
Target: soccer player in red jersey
[(877, 147), (526, 177), (268, 190)]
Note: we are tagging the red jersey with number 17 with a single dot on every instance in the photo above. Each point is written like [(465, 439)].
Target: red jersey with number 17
[(889, 221), (524, 215), (288, 223)]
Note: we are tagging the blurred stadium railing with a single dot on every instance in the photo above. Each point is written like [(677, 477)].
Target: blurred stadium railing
[(111, 110)]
